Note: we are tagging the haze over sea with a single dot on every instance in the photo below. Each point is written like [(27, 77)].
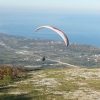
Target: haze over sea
[(80, 28)]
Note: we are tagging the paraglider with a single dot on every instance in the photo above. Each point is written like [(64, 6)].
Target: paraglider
[(43, 59), (65, 38)]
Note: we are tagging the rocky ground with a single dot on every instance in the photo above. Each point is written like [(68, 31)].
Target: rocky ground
[(57, 84)]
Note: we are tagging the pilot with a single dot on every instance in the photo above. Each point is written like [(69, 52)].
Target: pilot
[(43, 59)]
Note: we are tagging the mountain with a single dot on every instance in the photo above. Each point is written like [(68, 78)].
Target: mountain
[(21, 51)]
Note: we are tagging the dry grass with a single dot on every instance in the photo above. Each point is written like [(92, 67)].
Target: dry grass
[(58, 84)]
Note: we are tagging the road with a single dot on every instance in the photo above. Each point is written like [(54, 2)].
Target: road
[(63, 63), (58, 61)]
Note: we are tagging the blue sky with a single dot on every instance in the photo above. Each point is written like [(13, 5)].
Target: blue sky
[(72, 16), (70, 6)]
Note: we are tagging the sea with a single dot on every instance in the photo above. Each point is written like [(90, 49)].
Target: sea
[(79, 28)]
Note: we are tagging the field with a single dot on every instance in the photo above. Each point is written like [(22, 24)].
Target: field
[(55, 84)]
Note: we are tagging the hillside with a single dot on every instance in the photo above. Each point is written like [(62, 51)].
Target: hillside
[(20, 51), (55, 84), (68, 73)]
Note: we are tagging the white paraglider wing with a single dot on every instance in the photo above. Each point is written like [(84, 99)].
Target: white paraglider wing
[(58, 31)]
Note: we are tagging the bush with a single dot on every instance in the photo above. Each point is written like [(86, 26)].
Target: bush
[(7, 79), (7, 72)]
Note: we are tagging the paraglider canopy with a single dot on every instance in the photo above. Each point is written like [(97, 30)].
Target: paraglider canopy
[(65, 38)]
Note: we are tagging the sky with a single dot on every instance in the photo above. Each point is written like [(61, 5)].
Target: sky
[(70, 6), (81, 17)]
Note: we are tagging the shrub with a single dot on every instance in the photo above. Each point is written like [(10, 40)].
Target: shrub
[(7, 79)]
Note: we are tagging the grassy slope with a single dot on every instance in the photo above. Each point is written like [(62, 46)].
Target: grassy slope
[(55, 84)]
